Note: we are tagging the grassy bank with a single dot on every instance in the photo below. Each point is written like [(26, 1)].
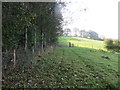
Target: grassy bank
[(83, 66)]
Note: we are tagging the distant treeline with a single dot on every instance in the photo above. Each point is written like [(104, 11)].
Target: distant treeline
[(82, 33), (112, 45)]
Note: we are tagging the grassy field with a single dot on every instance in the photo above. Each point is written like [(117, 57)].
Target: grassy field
[(92, 49), (82, 42), (85, 66)]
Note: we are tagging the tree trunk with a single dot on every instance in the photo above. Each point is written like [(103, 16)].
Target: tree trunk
[(35, 40), (26, 38), (49, 41), (33, 51), (42, 44)]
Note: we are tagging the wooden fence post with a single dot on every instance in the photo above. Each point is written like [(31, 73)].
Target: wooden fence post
[(14, 59), (69, 44)]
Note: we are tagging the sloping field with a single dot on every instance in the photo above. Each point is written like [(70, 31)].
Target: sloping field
[(70, 67), (82, 42)]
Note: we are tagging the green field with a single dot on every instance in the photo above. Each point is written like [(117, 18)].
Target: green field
[(82, 42), (82, 66)]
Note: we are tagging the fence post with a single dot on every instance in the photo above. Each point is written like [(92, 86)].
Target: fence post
[(72, 45), (14, 59), (69, 44)]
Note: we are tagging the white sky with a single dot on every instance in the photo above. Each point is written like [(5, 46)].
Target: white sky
[(100, 16)]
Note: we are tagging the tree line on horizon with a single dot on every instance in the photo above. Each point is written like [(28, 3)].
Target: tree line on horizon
[(82, 33)]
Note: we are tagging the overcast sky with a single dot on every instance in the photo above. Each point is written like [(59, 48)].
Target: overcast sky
[(97, 15)]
